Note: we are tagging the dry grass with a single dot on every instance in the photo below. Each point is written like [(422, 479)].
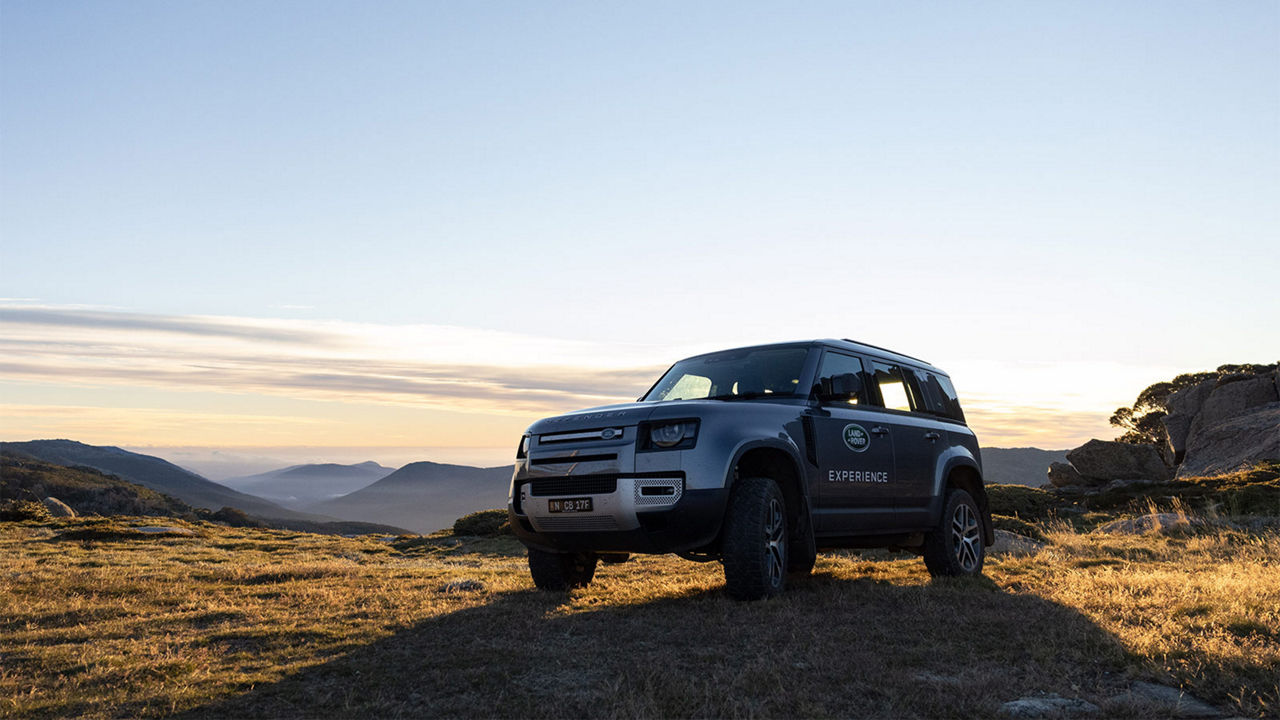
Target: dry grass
[(254, 622)]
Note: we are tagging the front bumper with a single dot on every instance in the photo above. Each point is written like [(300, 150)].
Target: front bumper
[(639, 513)]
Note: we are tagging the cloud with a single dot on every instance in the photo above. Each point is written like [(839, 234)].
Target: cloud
[(329, 361), (101, 320)]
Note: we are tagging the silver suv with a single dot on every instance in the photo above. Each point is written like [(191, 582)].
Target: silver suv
[(758, 457)]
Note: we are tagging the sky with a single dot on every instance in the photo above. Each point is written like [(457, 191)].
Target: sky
[(335, 230)]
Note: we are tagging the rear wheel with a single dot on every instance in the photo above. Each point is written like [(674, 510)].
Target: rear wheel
[(754, 546), (561, 571), (955, 546)]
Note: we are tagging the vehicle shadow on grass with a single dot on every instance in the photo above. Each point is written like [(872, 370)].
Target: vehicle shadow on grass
[(829, 647)]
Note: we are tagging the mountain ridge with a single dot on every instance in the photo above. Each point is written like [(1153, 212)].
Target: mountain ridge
[(156, 474)]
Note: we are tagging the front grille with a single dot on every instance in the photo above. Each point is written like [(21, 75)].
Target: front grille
[(573, 486), (590, 522), (566, 459)]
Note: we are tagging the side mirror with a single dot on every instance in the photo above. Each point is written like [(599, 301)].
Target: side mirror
[(839, 387)]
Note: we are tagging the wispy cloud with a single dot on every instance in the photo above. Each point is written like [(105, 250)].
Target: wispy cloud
[(332, 361)]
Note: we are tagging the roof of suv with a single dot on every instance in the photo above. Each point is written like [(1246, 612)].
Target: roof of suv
[(851, 346)]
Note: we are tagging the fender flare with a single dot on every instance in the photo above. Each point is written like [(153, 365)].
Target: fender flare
[(804, 511)]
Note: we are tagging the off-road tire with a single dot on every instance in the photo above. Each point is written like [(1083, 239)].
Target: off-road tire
[(955, 547), (558, 572), (754, 544)]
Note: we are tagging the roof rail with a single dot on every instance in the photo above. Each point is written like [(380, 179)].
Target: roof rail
[(895, 352)]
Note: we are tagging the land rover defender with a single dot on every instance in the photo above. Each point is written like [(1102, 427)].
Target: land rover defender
[(758, 457)]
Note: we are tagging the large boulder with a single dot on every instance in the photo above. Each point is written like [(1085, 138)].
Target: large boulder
[(1102, 460), (1063, 475), (57, 508), (1234, 443)]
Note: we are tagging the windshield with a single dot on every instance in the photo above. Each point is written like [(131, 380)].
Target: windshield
[(733, 374)]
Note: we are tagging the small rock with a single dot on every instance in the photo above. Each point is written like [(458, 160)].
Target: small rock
[(460, 586), (1179, 703), (1009, 543), (57, 508), (1047, 707), (1122, 484), (1154, 522)]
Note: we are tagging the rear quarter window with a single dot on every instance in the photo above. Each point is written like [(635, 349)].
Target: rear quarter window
[(939, 395)]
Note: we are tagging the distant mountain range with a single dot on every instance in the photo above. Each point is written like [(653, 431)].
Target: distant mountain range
[(1019, 466), (298, 486), (423, 496)]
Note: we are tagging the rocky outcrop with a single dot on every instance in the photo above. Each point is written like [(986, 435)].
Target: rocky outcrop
[(1234, 443), (1224, 423)]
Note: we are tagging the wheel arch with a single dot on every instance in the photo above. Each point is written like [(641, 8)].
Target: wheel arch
[(967, 477), (781, 463)]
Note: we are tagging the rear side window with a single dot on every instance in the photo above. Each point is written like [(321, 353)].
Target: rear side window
[(939, 395), (894, 391)]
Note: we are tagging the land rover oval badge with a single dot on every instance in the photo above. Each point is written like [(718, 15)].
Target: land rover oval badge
[(608, 433), (856, 438)]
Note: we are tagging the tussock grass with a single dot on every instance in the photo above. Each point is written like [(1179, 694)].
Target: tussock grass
[(250, 622)]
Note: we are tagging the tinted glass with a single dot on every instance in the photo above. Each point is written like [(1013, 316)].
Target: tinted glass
[(893, 390), (836, 364), (733, 374)]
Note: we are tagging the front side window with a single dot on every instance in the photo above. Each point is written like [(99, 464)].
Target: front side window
[(733, 374), (834, 364)]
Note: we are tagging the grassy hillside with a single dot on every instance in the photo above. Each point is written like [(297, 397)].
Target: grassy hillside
[(85, 489), (154, 473), (104, 621)]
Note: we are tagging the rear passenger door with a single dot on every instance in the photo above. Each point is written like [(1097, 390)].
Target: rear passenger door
[(915, 439)]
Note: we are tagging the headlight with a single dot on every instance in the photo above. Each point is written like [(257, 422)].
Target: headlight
[(522, 451), (672, 434)]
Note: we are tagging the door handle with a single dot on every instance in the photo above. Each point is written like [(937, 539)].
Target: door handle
[(931, 436), (879, 430)]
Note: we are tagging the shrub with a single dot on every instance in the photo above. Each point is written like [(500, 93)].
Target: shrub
[(1024, 502), (1016, 525), (486, 523), (235, 517), (18, 510)]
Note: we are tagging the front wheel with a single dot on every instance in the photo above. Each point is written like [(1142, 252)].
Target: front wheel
[(561, 571), (955, 546), (754, 547)]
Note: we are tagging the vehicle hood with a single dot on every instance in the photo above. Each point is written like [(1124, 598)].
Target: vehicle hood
[(596, 417)]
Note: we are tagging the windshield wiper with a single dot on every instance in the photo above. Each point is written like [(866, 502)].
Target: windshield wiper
[(741, 396)]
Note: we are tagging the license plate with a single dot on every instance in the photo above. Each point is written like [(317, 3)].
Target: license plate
[(569, 505)]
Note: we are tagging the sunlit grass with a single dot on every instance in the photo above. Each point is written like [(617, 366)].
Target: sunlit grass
[(242, 622)]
